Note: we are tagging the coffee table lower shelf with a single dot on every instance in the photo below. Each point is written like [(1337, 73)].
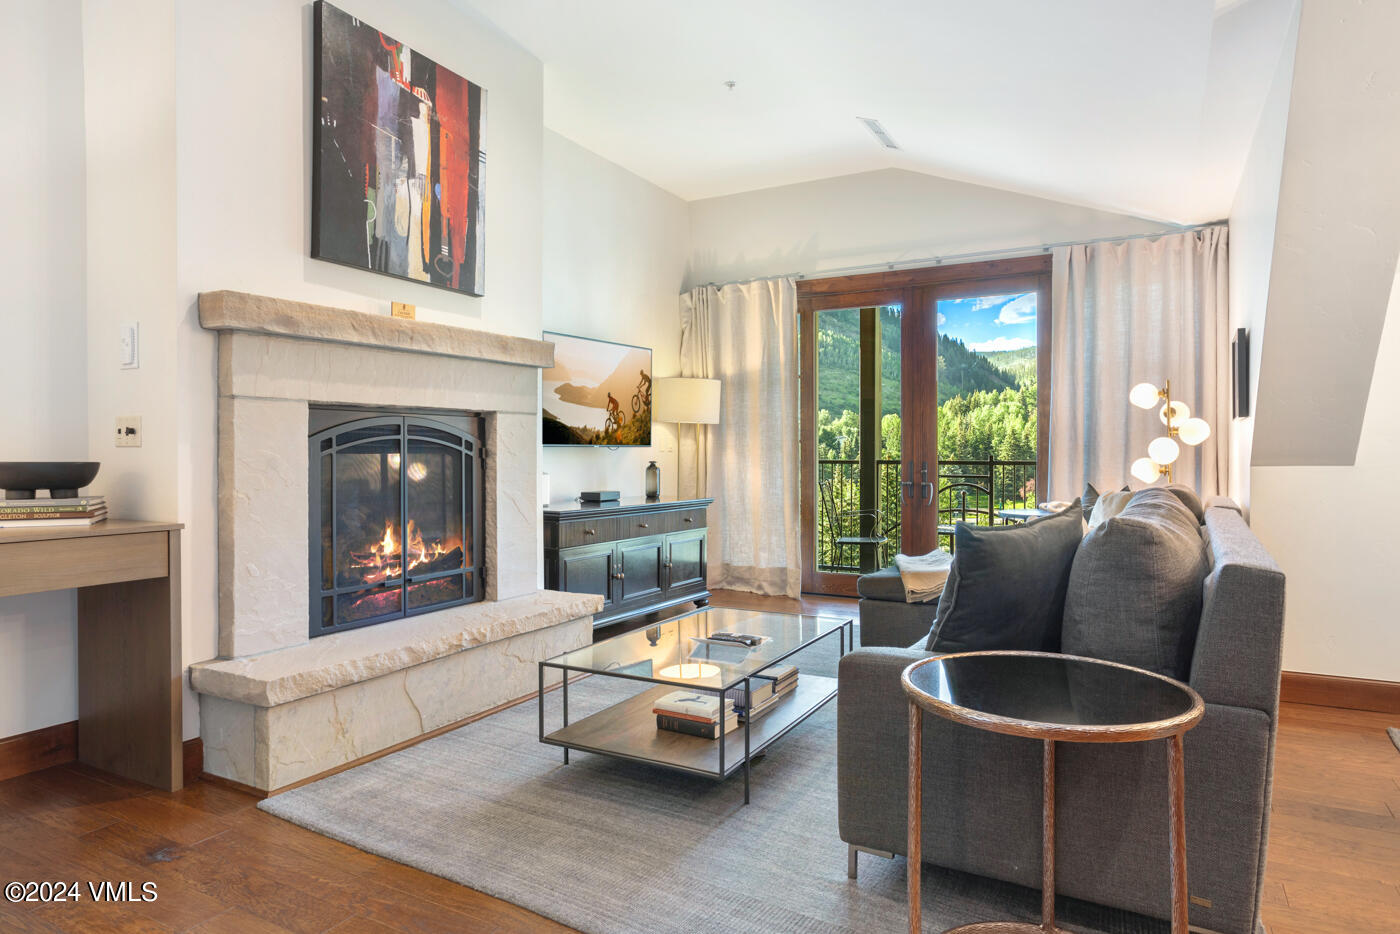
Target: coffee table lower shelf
[(628, 730)]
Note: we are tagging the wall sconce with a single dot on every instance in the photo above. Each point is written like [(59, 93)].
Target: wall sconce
[(1163, 451)]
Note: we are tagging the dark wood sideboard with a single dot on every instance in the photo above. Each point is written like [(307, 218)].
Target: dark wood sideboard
[(641, 555)]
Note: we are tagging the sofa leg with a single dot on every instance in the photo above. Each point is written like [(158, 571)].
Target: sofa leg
[(852, 850)]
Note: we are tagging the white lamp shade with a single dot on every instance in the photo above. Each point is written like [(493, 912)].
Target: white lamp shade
[(1180, 413), (1145, 470), (1144, 395), (687, 400), (1193, 431), (1164, 450)]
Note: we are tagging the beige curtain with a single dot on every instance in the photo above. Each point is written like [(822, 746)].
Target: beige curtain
[(1130, 312), (745, 335)]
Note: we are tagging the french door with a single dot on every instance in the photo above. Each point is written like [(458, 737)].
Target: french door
[(870, 371)]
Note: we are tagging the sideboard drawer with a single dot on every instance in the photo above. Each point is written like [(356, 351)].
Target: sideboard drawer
[(683, 520), (589, 531), (652, 523)]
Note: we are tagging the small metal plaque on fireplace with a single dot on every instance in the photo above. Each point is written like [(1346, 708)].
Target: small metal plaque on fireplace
[(395, 515)]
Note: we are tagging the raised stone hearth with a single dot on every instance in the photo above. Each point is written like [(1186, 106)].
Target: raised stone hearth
[(274, 719), (277, 707)]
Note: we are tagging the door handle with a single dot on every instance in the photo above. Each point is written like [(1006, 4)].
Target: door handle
[(925, 486)]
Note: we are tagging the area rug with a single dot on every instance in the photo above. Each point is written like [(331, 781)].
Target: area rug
[(612, 847), (1394, 733)]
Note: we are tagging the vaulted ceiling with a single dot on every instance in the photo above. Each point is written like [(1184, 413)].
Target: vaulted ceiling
[(1136, 106)]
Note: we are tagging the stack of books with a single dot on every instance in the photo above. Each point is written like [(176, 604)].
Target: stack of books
[(766, 689), (29, 513), (694, 713)]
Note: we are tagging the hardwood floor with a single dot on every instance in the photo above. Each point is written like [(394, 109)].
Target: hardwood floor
[(223, 867)]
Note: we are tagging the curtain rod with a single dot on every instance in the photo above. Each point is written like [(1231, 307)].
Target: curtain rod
[(1006, 251)]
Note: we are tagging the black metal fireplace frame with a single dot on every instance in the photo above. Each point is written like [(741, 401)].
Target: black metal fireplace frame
[(326, 425)]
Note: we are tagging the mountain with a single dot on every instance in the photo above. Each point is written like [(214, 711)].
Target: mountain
[(621, 382), (838, 361), (962, 371), (1020, 365)]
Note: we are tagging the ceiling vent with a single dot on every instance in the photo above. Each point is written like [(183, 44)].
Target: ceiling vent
[(879, 132)]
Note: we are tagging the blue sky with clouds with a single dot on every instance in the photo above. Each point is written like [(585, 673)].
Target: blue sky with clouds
[(990, 322)]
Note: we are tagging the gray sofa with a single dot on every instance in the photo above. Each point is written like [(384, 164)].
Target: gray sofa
[(982, 790)]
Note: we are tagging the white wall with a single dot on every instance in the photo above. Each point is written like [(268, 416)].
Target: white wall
[(244, 151), (1337, 235), (615, 253), (1253, 218), (130, 120), (891, 215), (43, 382), (1332, 529), (1326, 434)]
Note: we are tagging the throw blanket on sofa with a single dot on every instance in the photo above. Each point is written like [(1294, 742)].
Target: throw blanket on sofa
[(923, 576)]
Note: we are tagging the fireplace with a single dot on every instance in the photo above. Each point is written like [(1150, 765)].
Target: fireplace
[(395, 515)]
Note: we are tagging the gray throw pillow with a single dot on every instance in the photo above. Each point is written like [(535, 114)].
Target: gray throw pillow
[(1091, 496), (1007, 586), (1135, 588)]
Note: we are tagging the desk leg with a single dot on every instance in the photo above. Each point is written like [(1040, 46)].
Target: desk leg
[(915, 865), (129, 677), (1176, 777), (1047, 853)]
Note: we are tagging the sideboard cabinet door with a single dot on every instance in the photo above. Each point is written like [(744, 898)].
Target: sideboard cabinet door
[(588, 569)]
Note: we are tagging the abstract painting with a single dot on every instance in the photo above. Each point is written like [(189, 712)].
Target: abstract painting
[(597, 392), (397, 158)]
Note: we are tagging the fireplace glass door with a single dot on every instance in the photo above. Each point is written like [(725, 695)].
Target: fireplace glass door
[(394, 517)]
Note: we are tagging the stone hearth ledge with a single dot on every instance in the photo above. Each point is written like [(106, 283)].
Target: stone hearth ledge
[(329, 662), (262, 314)]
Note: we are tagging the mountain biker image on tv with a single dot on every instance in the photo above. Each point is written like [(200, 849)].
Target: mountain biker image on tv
[(614, 414)]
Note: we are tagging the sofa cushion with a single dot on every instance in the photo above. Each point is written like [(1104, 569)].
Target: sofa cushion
[(1108, 506), (1007, 587), (1190, 500), (884, 584), (1135, 587), (1091, 496)]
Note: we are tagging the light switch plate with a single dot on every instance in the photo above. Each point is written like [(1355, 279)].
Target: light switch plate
[(128, 431), (130, 345)]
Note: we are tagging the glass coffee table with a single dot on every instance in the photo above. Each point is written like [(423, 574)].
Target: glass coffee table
[(677, 654)]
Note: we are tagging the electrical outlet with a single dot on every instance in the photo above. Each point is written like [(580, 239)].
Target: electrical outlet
[(128, 431)]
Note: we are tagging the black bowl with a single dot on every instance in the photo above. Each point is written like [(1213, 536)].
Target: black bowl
[(62, 479)]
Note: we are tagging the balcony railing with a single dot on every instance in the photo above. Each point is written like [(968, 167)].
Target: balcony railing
[(967, 490)]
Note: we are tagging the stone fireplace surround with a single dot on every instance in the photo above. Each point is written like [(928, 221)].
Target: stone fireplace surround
[(277, 708)]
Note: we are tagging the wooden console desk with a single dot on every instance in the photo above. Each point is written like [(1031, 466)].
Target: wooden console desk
[(127, 574)]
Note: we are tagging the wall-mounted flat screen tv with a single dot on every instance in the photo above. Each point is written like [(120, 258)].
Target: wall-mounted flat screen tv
[(597, 392)]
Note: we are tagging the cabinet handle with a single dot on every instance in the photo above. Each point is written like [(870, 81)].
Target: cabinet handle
[(643, 525), (618, 576), (667, 565), (590, 531), (688, 519)]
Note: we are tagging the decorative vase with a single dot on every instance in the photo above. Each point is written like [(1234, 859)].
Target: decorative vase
[(653, 481)]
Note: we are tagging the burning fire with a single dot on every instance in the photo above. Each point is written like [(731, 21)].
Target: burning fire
[(383, 560)]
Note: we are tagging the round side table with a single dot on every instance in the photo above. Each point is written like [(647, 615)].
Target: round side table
[(1052, 698)]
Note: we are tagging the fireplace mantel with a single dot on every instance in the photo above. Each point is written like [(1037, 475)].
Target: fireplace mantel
[(262, 314), (275, 708)]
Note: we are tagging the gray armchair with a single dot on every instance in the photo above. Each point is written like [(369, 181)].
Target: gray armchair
[(982, 795)]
